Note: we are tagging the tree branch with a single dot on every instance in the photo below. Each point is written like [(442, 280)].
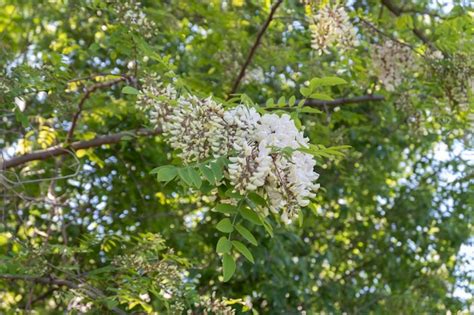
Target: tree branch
[(380, 32), (86, 95), (335, 102), (397, 12), (254, 48), (91, 292), (62, 150), (114, 138), (345, 100)]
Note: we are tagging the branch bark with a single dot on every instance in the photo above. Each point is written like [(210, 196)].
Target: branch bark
[(335, 102), (65, 149), (91, 292), (397, 12), (86, 95), (254, 48), (344, 100)]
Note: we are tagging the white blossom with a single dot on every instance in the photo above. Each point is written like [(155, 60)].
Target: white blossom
[(279, 132), (331, 27), (131, 15), (250, 168), (78, 305), (262, 149), (254, 75), (241, 123), (196, 127), (20, 103), (391, 60)]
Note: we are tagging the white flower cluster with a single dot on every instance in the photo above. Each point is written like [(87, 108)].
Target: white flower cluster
[(212, 305), (331, 27), (391, 61), (256, 75), (132, 16), (195, 127), (262, 149), (79, 305)]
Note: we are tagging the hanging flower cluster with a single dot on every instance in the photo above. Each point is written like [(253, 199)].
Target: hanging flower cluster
[(331, 27), (391, 60), (130, 14), (262, 149)]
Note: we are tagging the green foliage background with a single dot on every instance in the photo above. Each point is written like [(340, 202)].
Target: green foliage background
[(382, 236)]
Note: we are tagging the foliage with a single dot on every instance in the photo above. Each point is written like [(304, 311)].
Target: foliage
[(103, 212)]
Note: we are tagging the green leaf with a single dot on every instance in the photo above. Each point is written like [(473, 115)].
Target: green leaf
[(165, 173), (281, 101), (292, 101), (226, 208), (296, 119), (321, 96), (268, 227), (207, 173), (250, 215), (217, 170), (326, 81), (307, 109), (129, 90), (22, 118), (94, 47), (225, 226), (246, 234), (300, 218), (228, 266), (241, 248), (301, 103), (257, 199), (185, 176), (223, 245), (206, 188), (232, 194), (195, 177), (404, 21), (305, 91)]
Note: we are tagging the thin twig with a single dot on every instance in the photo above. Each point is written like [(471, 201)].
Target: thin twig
[(83, 99), (379, 31), (345, 100), (338, 101), (60, 150), (397, 12), (254, 48)]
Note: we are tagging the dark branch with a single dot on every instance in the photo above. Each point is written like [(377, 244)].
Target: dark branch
[(398, 11), (114, 138), (63, 150), (380, 32), (86, 95), (345, 100), (254, 48), (91, 292)]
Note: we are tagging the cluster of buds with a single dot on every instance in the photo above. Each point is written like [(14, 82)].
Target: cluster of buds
[(331, 27), (291, 184), (131, 15), (196, 127), (391, 60), (263, 150), (249, 169)]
